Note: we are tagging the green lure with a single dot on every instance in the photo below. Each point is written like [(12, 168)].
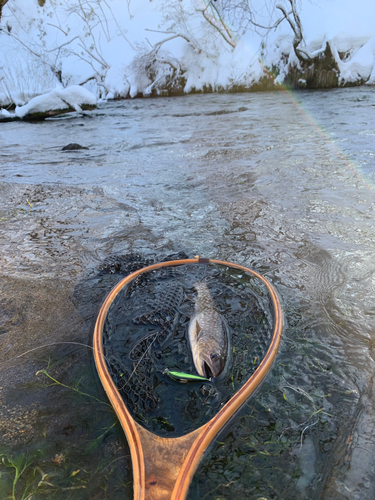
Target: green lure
[(184, 377)]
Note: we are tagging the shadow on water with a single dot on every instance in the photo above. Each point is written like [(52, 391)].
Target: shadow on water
[(265, 187)]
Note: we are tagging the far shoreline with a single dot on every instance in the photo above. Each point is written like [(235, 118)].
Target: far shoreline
[(256, 88)]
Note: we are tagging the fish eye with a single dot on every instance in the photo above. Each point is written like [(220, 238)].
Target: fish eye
[(214, 356)]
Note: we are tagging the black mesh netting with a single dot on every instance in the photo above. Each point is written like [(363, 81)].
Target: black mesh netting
[(145, 332)]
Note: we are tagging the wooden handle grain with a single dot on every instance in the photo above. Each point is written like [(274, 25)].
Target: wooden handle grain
[(163, 467)]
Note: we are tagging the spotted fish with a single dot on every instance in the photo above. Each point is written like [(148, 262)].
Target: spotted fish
[(208, 335)]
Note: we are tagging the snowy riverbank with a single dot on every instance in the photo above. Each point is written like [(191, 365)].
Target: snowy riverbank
[(167, 47)]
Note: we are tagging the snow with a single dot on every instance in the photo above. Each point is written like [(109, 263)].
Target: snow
[(70, 97), (105, 46), (361, 64)]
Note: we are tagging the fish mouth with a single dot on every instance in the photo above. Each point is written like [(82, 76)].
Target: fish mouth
[(207, 370)]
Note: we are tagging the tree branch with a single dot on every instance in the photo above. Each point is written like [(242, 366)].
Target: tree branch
[(63, 45), (118, 26), (296, 25), (93, 77), (58, 27), (222, 23), (274, 26), (22, 43), (100, 61), (218, 25), (157, 45)]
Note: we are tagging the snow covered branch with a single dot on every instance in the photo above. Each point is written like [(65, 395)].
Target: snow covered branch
[(295, 23), (156, 65), (58, 33)]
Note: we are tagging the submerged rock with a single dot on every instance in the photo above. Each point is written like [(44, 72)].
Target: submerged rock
[(73, 147)]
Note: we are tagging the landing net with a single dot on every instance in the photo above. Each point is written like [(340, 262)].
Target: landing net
[(145, 332)]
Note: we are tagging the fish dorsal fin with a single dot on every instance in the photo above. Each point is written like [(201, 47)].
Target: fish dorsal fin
[(187, 309)]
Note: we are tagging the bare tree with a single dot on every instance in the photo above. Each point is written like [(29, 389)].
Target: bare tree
[(159, 68), (242, 16), (96, 21), (212, 15), (295, 23)]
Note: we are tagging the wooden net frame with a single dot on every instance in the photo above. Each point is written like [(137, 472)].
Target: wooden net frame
[(164, 467)]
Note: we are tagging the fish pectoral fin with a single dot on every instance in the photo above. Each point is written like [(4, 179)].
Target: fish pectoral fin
[(198, 328)]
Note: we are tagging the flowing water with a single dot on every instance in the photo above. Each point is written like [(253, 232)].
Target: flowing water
[(283, 183)]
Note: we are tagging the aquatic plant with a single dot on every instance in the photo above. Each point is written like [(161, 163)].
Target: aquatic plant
[(18, 466), (53, 467), (73, 388)]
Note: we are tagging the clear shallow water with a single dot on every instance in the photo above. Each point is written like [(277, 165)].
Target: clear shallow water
[(279, 182)]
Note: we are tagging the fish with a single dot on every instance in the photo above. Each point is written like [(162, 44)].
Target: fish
[(209, 335)]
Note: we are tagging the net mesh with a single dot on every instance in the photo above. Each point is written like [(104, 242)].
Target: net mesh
[(146, 331)]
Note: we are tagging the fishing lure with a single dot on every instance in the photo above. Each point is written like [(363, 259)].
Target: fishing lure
[(185, 377)]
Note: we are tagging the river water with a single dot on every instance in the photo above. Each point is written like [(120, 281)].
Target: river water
[(280, 182)]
